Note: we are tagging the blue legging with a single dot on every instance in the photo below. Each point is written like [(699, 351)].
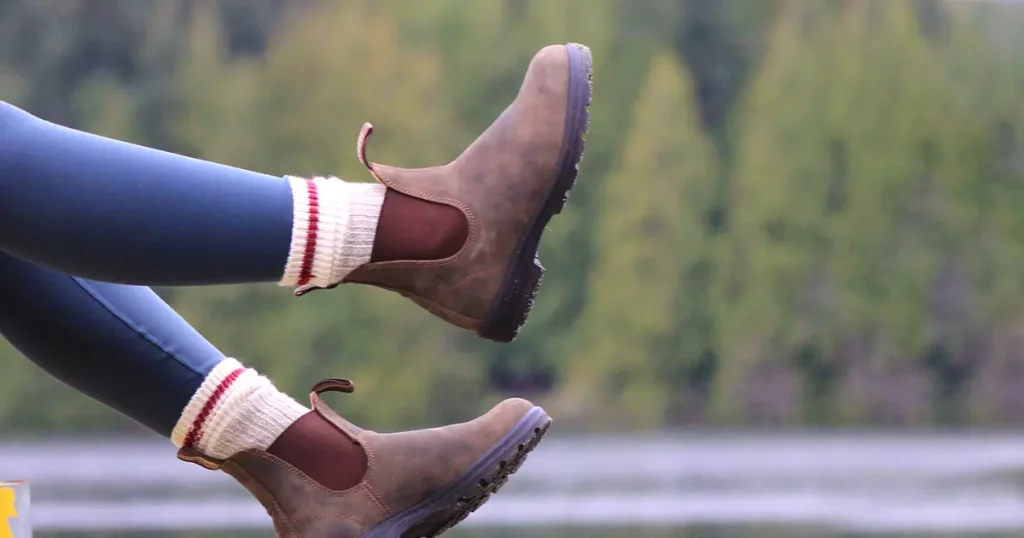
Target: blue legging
[(121, 345), (116, 212), (78, 204)]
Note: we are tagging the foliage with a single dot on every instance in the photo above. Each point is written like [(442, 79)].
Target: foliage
[(794, 212)]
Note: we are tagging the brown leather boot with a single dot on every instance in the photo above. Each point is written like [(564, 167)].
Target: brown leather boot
[(418, 484), (508, 183)]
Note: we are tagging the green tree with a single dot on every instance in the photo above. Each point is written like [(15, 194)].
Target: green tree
[(897, 242), (985, 70), (775, 241), (854, 205), (645, 332)]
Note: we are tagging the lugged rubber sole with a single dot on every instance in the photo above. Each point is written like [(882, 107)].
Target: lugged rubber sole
[(447, 508), (522, 281)]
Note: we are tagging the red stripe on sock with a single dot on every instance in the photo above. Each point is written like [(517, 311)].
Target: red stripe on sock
[(306, 273), (195, 432)]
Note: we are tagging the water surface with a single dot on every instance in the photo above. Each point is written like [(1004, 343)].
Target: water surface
[(966, 484)]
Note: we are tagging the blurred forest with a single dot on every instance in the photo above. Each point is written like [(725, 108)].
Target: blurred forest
[(790, 213)]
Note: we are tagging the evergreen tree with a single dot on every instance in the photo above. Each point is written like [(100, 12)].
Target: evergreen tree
[(773, 292), (893, 244), (853, 211), (636, 343), (986, 72)]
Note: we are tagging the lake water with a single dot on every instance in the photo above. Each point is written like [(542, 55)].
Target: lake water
[(968, 484)]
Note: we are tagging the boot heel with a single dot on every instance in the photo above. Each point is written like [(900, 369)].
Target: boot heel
[(516, 302)]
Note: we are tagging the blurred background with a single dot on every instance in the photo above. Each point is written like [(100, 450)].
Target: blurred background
[(786, 298)]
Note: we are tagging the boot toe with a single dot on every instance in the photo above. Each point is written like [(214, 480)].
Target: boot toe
[(523, 424)]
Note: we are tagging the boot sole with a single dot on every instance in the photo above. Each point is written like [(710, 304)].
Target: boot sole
[(447, 508), (523, 279)]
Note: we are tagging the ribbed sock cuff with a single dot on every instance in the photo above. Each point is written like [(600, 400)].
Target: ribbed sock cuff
[(334, 224), (235, 409)]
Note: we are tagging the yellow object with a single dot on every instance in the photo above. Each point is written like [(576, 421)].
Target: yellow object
[(8, 511)]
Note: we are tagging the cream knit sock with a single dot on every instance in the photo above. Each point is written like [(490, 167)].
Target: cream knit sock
[(333, 227), (235, 409)]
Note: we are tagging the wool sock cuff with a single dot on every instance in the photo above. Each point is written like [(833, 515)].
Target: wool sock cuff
[(334, 224), (235, 409)]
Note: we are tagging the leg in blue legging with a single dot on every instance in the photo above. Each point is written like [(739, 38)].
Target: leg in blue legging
[(117, 212), (100, 208), (121, 345)]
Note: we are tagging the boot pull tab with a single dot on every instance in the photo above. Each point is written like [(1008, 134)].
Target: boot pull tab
[(334, 385), (364, 137)]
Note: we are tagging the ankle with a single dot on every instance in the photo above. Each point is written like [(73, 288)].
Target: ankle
[(414, 229), (314, 446)]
